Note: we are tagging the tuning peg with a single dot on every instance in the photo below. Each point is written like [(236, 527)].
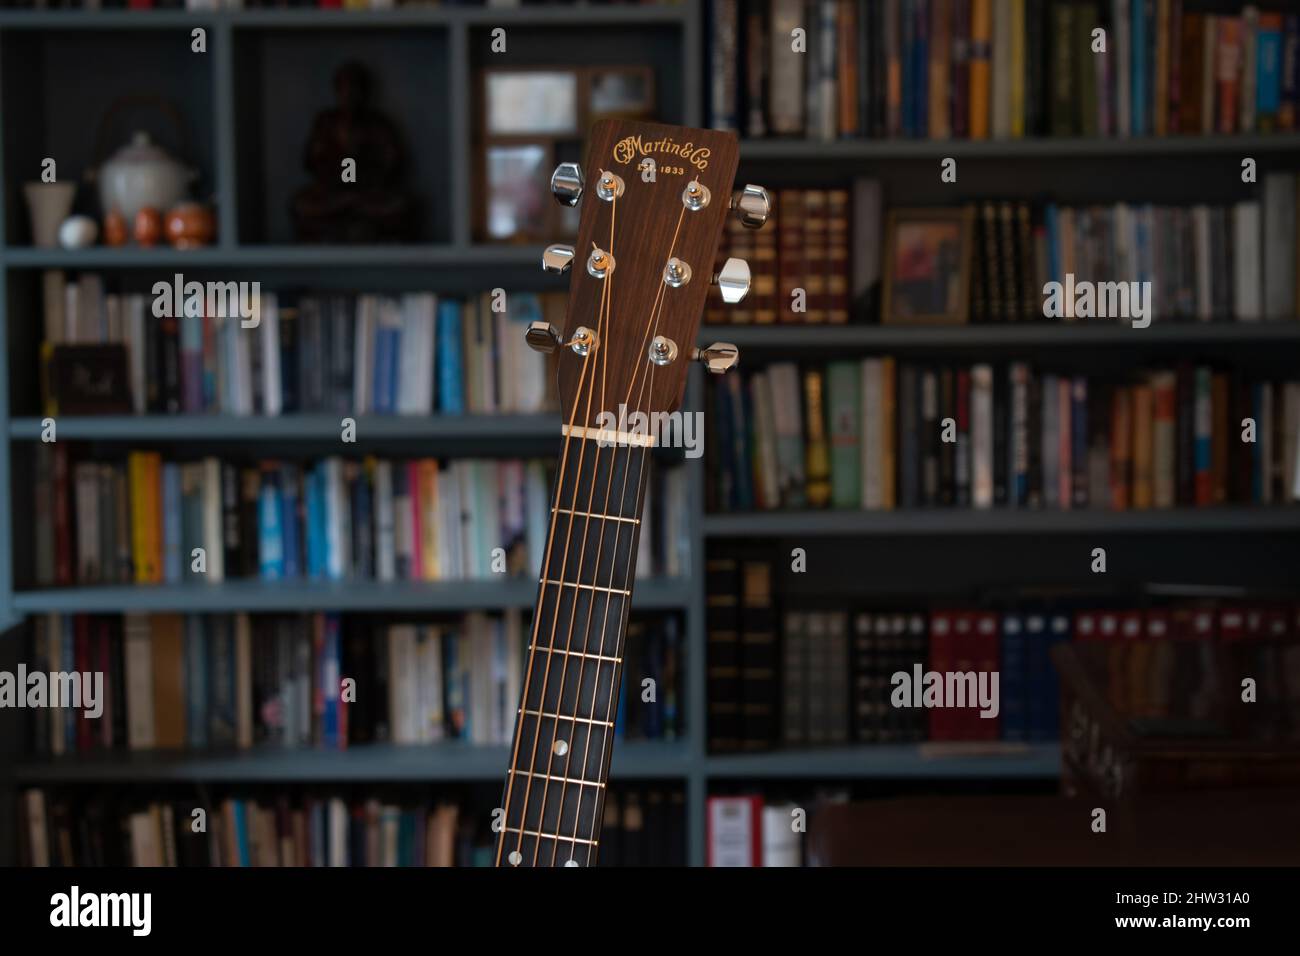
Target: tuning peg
[(751, 206), (566, 184), (542, 336), (557, 258), (733, 280), (718, 357)]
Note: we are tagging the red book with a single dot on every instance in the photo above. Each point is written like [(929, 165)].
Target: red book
[(1158, 626), (1203, 625), (329, 4), (735, 827), (1131, 625), (1227, 72), (1232, 624), (1107, 625), (139, 4), (1275, 623), (1085, 626)]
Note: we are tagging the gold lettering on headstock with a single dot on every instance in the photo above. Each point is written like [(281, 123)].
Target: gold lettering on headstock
[(630, 146)]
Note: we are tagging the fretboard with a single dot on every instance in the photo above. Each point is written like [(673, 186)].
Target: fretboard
[(564, 730)]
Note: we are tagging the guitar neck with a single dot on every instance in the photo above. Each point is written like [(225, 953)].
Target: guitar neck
[(564, 731)]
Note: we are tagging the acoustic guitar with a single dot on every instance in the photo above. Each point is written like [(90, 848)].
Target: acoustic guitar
[(653, 202)]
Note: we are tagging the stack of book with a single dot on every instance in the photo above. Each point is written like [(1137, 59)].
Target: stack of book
[(1001, 69), (883, 434), (799, 261), (149, 521), (361, 354), (811, 676), (235, 681), (643, 826)]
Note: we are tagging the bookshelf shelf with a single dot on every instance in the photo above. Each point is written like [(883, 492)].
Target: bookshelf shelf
[(431, 255), (450, 761), (494, 429), (857, 150), (955, 761), (1003, 521), (1045, 334), (271, 596), (343, 19)]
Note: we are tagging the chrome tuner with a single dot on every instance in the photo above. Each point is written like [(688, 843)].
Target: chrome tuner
[(663, 350), (695, 196), (718, 358), (542, 336), (566, 184), (600, 263), (751, 205), (676, 273), (557, 258), (733, 280), (583, 341), (610, 186)]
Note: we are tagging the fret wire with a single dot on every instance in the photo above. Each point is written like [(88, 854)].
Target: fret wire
[(569, 511), (586, 587), (541, 713), (546, 559), (549, 777), (602, 357), (551, 836), (594, 657)]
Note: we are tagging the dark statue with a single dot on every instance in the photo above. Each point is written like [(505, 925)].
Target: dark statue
[(374, 208)]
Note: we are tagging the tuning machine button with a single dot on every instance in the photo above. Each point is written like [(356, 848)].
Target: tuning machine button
[(751, 205), (733, 280), (696, 195), (542, 336), (557, 258), (566, 184), (718, 358), (600, 263)]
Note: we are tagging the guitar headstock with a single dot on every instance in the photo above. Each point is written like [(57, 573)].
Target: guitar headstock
[(653, 202)]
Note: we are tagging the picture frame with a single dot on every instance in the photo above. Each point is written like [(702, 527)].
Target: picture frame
[(517, 197), (532, 103), (620, 92), (927, 266)]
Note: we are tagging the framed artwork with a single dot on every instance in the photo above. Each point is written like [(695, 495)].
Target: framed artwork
[(927, 266), (532, 118), (518, 183)]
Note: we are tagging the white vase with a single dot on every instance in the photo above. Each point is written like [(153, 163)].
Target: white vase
[(48, 204)]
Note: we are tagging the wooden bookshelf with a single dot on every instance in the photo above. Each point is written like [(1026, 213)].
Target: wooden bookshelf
[(219, 98)]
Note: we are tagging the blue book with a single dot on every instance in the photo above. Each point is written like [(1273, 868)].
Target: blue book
[(394, 336), (270, 530), (171, 488), (1137, 72), (1052, 228), (451, 388), (1013, 682), (1268, 71), (378, 379), (1202, 416), (221, 664), (196, 681), (290, 532), (315, 511), (330, 683), (241, 831), (1037, 672), (1059, 631)]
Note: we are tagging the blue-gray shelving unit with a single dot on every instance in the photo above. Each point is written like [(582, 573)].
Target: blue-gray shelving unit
[(57, 68)]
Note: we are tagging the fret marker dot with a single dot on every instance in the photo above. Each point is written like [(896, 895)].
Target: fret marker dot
[(570, 862), (561, 748), (515, 858)]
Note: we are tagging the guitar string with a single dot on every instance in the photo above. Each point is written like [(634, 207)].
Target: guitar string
[(602, 358), (652, 326), (546, 561), (564, 562), (608, 597)]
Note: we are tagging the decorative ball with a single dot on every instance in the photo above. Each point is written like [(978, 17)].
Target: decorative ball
[(189, 225), (115, 231), (78, 232), (148, 226)]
